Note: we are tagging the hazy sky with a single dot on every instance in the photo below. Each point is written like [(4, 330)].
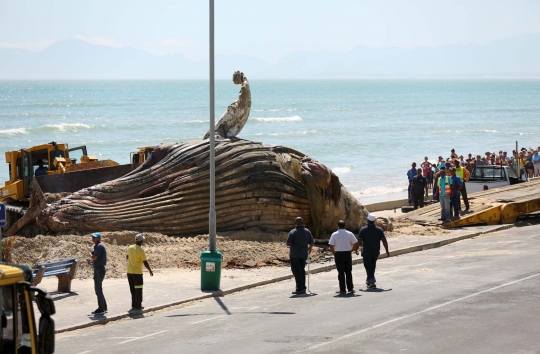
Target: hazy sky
[(267, 29)]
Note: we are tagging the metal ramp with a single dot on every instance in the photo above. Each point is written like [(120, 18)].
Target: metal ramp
[(502, 205)]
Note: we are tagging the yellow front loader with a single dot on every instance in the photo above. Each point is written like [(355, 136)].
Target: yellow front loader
[(50, 168)]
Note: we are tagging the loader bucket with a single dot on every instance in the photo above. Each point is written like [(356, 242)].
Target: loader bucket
[(74, 181), (66, 182)]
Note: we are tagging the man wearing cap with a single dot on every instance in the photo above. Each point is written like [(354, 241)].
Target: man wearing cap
[(98, 258), (300, 242), (136, 258), (369, 239), (342, 242)]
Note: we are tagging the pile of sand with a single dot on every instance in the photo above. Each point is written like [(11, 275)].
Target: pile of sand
[(261, 247), (401, 227), (162, 251)]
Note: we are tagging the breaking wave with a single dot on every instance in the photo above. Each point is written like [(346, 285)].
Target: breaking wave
[(13, 132), (197, 121), (341, 170), (68, 127), (340, 109), (303, 132), (279, 120), (379, 191)]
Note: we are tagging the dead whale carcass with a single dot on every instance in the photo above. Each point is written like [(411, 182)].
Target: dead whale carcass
[(257, 185)]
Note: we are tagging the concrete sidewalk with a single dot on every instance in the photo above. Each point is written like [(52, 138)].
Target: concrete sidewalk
[(169, 287)]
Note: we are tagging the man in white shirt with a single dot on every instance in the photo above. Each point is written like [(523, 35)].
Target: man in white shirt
[(341, 244)]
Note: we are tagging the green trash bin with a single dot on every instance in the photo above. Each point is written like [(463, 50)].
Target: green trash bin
[(211, 270)]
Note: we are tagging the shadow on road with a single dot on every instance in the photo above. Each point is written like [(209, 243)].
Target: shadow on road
[(299, 296), (62, 295), (222, 305), (376, 290), (348, 295), (236, 313), (94, 317)]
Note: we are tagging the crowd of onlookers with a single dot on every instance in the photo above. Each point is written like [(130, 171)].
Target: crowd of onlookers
[(525, 163), (448, 177)]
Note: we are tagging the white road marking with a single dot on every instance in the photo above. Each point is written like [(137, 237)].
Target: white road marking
[(416, 265), (277, 303), (253, 308), (208, 319), (399, 270), (88, 351), (149, 335), (507, 242), (416, 313)]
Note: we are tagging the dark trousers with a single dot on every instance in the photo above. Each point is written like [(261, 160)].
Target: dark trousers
[(298, 266), (99, 275), (436, 193), (418, 200), (344, 268), (135, 287), (454, 204), (463, 192), (410, 193), (370, 263)]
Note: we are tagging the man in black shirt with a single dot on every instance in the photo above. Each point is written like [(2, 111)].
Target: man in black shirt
[(98, 259), (301, 242), (369, 239), (420, 188)]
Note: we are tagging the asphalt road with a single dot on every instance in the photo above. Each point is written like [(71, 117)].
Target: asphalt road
[(475, 296)]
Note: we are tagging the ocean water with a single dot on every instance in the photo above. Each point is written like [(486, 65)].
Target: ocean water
[(367, 131)]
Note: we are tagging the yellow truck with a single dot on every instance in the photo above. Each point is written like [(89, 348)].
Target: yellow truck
[(50, 168), (19, 332)]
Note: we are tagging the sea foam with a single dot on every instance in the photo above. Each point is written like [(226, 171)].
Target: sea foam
[(68, 127), (379, 190), (13, 132), (302, 132), (279, 120), (341, 170)]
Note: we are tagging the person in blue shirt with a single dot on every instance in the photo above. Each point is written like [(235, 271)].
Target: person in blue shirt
[(410, 175), (41, 170), (444, 184), (98, 259), (454, 197), (536, 163), (300, 241)]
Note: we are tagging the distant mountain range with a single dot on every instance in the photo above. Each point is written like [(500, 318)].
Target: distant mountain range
[(73, 59)]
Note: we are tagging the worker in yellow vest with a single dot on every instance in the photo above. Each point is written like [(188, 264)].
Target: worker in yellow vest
[(464, 175), (445, 188), (136, 258)]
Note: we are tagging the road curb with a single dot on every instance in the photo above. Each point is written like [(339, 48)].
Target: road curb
[(316, 270)]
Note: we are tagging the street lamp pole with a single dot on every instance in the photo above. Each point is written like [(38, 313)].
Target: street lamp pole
[(212, 214), (211, 260)]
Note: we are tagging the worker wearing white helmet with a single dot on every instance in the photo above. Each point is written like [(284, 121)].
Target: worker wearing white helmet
[(369, 239)]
